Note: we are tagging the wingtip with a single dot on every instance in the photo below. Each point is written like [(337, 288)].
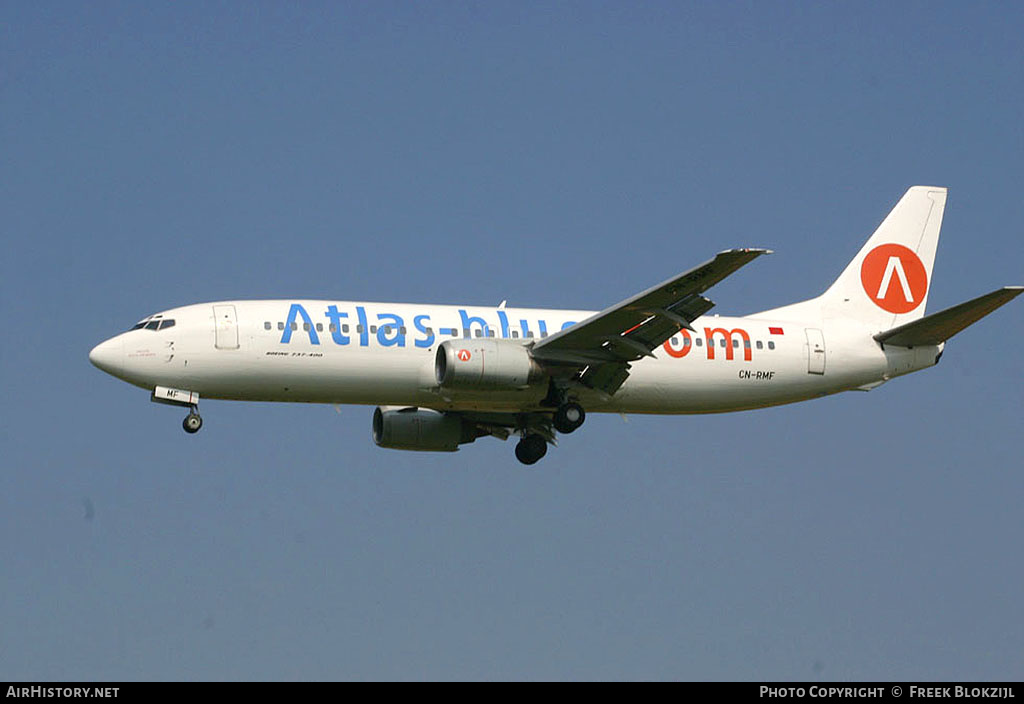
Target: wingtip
[(748, 250)]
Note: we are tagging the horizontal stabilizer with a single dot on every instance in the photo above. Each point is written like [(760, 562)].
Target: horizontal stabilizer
[(938, 327)]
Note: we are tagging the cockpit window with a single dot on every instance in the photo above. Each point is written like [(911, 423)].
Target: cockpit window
[(153, 323)]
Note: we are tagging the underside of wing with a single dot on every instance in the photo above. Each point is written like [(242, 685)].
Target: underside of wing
[(603, 346)]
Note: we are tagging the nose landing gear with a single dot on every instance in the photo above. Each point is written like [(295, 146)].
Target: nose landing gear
[(181, 398), (193, 421)]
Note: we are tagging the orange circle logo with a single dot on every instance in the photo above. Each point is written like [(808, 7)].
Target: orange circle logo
[(463, 355), (894, 278)]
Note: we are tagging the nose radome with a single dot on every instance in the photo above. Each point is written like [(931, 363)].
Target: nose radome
[(108, 355)]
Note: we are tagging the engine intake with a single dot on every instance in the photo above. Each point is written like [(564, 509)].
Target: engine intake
[(420, 429), (484, 364)]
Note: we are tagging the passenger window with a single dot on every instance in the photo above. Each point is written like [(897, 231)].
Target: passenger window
[(675, 341), (700, 342), (332, 328), (359, 329), (465, 332), (771, 345), (529, 333), (402, 331), (759, 345), (721, 343), (515, 333), (294, 326), (373, 329), (386, 329), (319, 327), (344, 328), (169, 323), (735, 344), (479, 333), (266, 326), (686, 342), (490, 333), (280, 325), (152, 324), (305, 326)]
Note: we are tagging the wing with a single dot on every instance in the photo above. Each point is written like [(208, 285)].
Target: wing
[(604, 344)]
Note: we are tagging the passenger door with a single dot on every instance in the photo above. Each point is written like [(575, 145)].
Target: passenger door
[(815, 351), (227, 327)]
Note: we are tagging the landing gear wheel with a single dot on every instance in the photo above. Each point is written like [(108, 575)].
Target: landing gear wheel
[(569, 417), (531, 448), (192, 423)]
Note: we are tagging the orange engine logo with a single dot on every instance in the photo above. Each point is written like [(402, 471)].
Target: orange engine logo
[(463, 355), (894, 278)]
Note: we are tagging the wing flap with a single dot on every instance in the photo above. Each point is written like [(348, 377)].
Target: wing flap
[(938, 327), (605, 377)]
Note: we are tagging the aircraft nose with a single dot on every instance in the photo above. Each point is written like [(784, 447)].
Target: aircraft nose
[(108, 355)]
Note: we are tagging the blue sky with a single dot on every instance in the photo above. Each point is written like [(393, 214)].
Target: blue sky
[(555, 155)]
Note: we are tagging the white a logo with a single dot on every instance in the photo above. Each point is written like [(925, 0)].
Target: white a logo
[(895, 264), (894, 261)]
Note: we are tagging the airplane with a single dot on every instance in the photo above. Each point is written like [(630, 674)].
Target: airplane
[(442, 375)]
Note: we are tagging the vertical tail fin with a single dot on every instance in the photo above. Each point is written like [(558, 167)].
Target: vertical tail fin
[(887, 283)]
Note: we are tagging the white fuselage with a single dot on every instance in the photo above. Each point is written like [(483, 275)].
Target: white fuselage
[(383, 354)]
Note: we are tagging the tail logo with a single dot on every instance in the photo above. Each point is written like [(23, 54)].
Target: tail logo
[(894, 278)]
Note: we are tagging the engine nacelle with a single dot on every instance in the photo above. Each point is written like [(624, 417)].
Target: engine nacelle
[(420, 429), (482, 363)]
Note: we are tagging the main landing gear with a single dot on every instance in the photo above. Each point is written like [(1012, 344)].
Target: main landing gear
[(193, 421), (569, 414), (531, 448), (568, 417), (537, 429)]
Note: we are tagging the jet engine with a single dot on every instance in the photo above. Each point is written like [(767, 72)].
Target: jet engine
[(420, 429), (484, 364)]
